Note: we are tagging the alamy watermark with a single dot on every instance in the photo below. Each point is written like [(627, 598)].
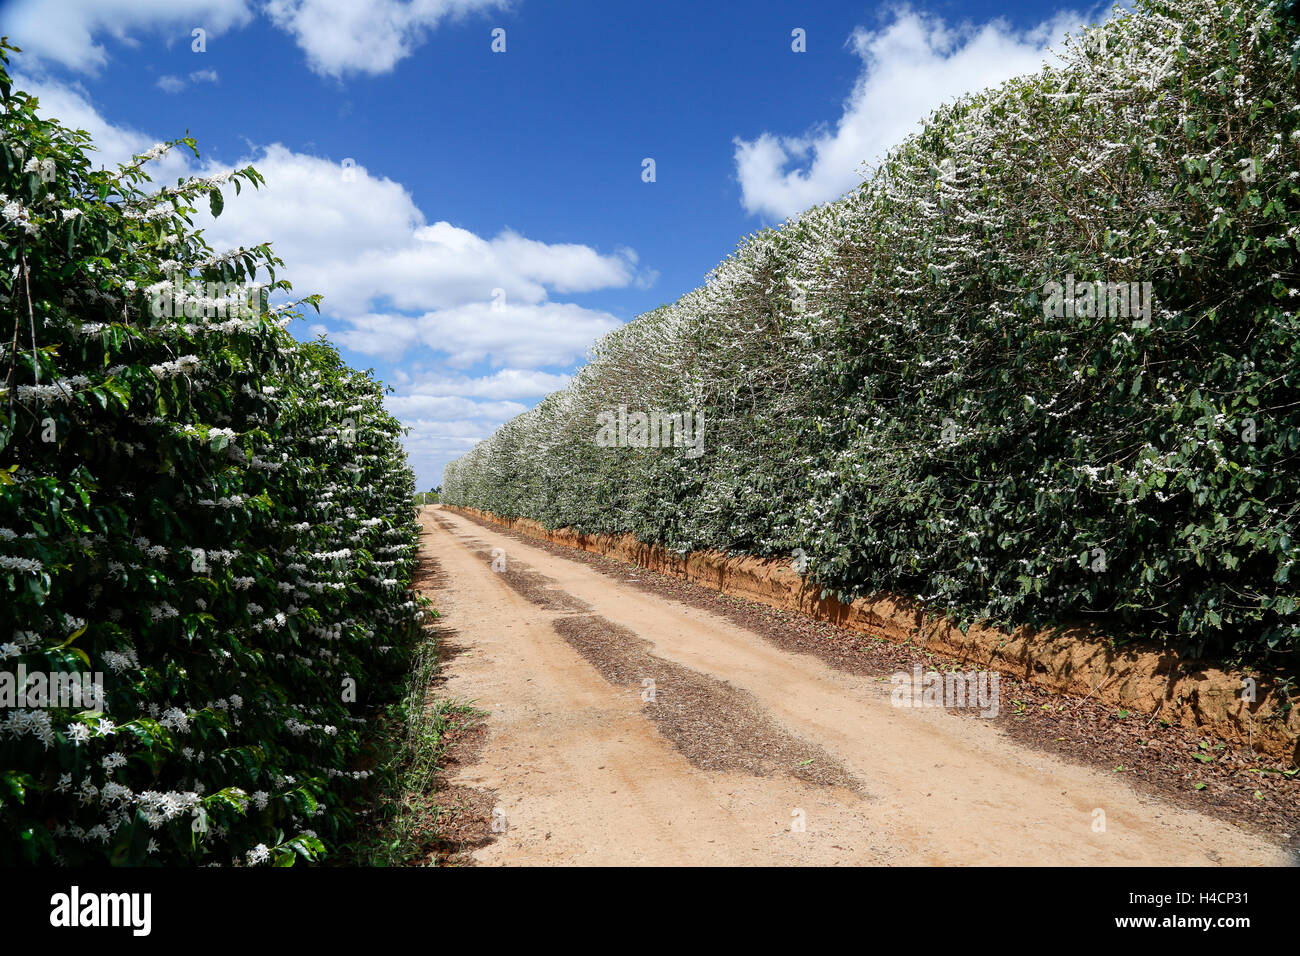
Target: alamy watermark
[(184, 297), (1100, 299), (652, 429), (65, 689), (129, 910), (978, 689)]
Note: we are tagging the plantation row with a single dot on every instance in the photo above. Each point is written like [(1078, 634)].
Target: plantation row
[(1042, 366), (200, 517)]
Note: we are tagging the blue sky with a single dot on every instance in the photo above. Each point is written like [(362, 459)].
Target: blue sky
[(476, 219)]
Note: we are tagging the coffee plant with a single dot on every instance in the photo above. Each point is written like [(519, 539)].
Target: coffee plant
[(894, 383), (210, 515)]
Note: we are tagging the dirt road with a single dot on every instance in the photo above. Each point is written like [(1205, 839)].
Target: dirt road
[(625, 728)]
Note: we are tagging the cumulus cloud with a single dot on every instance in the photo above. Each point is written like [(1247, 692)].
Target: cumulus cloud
[(337, 37), (432, 443), (505, 383), (174, 84), (361, 241), (365, 36), (911, 66), (401, 289), (449, 407), (437, 300), (528, 334), (444, 420), (67, 36), (444, 265)]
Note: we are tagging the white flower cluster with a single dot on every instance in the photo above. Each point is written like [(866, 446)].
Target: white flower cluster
[(16, 213), (181, 366), (26, 565), (59, 391), (247, 589)]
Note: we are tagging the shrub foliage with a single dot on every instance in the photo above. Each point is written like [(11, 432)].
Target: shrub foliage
[(883, 386), (213, 516)]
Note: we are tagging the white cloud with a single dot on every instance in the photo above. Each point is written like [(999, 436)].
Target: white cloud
[(67, 36), (397, 287), (338, 37), (443, 265), (365, 36), (174, 84), (423, 294), (360, 240), (432, 443), (528, 334), (311, 210), (506, 383), (449, 407), (909, 68), (445, 422)]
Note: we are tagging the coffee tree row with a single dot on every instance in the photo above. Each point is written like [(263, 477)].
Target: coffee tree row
[(1043, 365), (203, 517)]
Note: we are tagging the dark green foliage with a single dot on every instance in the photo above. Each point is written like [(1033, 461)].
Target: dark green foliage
[(213, 516), (882, 384)]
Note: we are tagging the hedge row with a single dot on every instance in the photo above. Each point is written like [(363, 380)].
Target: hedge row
[(213, 517), (897, 384)]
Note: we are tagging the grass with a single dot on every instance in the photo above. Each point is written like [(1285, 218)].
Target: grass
[(402, 820)]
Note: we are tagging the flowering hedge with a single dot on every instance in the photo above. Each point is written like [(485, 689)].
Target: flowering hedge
[(214, 517), (891, 382)]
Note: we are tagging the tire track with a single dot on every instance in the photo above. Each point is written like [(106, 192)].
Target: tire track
[(714, 769)]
